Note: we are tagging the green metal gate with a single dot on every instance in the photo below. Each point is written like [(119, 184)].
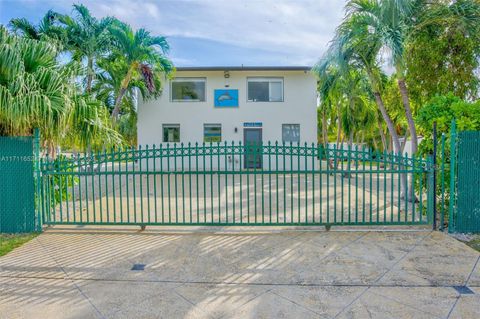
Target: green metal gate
[(17, 196), (465, 182), (208, 184)]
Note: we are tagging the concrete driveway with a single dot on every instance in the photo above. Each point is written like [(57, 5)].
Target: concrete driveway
[(86, 273)]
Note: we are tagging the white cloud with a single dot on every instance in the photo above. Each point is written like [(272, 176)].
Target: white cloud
[(298, 29)]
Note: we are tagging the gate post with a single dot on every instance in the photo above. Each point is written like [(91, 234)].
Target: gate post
[(38, 194), (434, 175), (453, 155), (430, 190)]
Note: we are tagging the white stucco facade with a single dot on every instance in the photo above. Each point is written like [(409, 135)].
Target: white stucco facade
[(298, 107)]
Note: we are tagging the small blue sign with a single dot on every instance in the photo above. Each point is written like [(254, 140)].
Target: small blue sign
[(226, 98), (252, 124)]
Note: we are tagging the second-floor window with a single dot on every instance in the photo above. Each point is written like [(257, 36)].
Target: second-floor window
[(188, 90), (265, 89)]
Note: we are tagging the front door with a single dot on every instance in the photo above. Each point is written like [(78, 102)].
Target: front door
[(252, 138)]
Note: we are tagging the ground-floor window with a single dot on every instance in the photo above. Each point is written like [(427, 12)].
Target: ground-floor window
[(171, 132), (291, 133), (212, 133)]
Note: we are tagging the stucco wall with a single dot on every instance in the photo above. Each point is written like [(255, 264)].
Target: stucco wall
[(299, 107)]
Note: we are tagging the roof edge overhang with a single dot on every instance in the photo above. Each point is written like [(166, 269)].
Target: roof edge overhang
[(244, 68)]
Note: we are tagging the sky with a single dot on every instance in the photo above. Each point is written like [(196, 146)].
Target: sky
[(215, 32)]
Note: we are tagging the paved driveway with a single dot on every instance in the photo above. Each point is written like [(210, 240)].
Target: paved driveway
[(82, 273)]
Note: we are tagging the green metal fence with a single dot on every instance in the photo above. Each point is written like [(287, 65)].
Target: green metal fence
[(17, 206), (464, 205), (210, 184)]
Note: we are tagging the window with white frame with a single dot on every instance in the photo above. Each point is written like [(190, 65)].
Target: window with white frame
[(265, 89), (212, 133), (171, 133), (291, 133), (188, 90)]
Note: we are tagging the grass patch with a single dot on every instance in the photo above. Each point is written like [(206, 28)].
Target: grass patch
[(474, 243), (9, 242)]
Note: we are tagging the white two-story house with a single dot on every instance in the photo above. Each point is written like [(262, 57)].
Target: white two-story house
[(211, 104), (239, 104)]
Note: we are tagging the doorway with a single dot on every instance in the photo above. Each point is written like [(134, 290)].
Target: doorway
[(252, 138)]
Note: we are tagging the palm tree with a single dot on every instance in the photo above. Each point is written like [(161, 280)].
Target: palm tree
[(343, 91), (47, 30), (37, 91), (356, 46), (390, 21), (89, 125), (87, 38), (326, 91), (144, 56)]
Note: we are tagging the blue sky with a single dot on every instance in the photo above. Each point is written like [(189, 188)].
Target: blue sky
[(215, 32)]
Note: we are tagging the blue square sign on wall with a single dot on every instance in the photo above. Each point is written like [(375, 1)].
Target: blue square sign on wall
[(226, 98)]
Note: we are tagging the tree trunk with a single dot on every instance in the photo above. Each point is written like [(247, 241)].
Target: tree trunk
[(388, 120), (89, 74), (395, 140), (339, 134), (51, 150), (350, 149), (404, 142), (339, 128), (413, 132), (408, 113), (375, 142), (382, 136), (118, 103), (324, 129), (121, 92)]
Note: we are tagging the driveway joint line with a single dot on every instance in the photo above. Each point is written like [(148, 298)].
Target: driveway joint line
[(454, 305), (294, 302), (72, 281), (471, 273), (360, 295), (403, 257), (352, 302), (240, 283), (404, 304)]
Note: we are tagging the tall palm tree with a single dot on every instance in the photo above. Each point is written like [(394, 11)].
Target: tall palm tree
[(144, 56), (356, 46), (87, 38), (390, 21), (109, 81)]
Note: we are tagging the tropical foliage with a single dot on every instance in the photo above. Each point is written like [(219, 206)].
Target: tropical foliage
[(138, 52), (37, 91), (429, 49), (77, 78)]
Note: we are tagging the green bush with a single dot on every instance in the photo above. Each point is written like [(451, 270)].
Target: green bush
[(443, 109)]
